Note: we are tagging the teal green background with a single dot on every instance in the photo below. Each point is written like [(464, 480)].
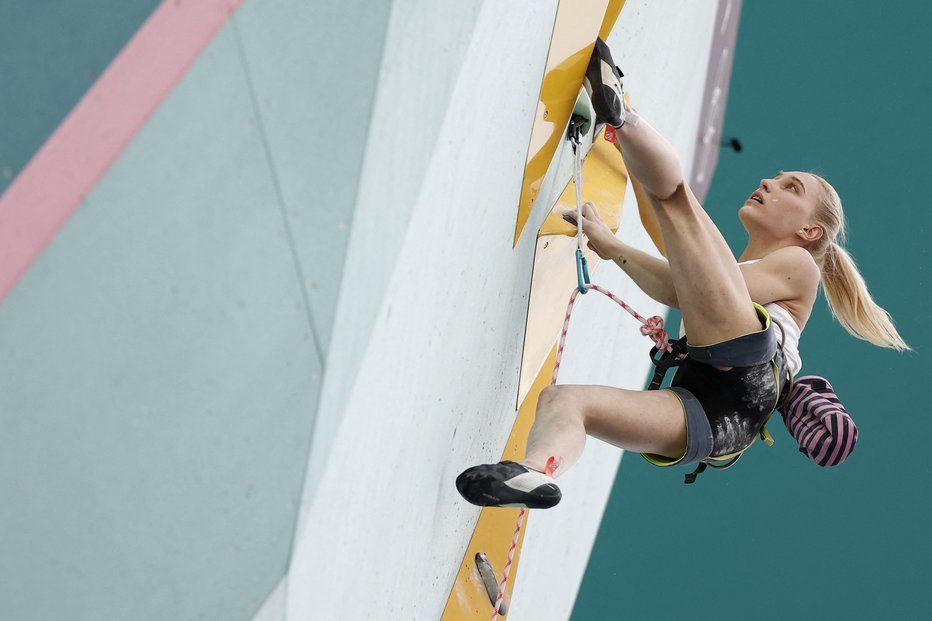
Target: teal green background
[(842, 89)]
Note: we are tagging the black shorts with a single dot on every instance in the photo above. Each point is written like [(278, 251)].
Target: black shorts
[(725, 410)]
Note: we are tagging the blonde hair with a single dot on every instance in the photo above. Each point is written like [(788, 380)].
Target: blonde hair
[(848, 298)]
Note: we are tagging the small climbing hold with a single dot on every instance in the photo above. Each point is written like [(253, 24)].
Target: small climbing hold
[(487, 573)]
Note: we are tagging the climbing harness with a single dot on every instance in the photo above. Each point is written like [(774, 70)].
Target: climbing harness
[(673, 358)]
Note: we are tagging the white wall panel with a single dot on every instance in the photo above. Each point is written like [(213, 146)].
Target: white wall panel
[(437, 385), (425, 48), (423, 54)]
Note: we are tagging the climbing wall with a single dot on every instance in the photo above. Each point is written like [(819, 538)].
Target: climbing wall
[(245, 361), (436, 389)]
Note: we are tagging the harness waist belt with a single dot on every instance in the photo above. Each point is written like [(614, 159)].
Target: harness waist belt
[(743, 351)]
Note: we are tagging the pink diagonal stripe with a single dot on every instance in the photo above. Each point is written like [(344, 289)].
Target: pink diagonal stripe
[(68, 166)]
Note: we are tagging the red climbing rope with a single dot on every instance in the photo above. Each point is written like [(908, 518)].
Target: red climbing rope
[(651, 327), (511, 556)]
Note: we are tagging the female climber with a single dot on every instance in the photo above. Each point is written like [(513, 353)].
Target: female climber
[(742, 319)]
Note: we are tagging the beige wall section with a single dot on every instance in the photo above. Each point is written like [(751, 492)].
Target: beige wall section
[(431, 388), (554, 276)]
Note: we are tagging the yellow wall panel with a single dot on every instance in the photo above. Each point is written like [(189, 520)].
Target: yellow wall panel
[(495, 528), (577, 24), (604, 183)]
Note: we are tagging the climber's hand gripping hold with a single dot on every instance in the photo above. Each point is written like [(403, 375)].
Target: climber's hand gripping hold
[(601, 238)]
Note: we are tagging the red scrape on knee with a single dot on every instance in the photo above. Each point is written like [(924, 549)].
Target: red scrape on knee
[(552, 464)]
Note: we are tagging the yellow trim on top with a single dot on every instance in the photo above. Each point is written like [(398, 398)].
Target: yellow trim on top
[(762, 315), (662, 460), (577, 24)]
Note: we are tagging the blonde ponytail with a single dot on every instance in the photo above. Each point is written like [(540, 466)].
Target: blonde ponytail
[(847, 294)]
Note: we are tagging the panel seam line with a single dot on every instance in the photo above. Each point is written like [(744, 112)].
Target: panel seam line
[(302, 283)]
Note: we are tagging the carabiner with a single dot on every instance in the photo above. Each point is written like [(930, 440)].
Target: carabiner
[(582, 271), (574, 131)]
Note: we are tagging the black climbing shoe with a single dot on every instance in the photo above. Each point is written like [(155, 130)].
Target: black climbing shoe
[(603, 83), (507, 484)]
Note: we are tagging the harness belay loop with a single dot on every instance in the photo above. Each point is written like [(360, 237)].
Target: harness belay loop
[(671, 356)]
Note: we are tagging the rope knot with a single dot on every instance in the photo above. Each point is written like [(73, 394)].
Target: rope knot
[(653, 328)]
